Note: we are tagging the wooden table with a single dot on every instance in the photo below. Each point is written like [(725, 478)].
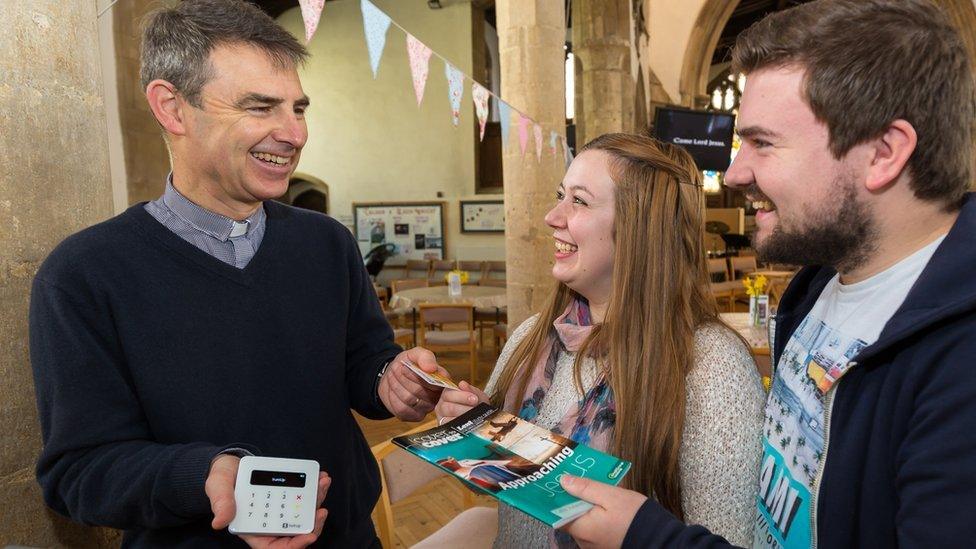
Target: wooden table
[(479, 296), (757, 338), (774, 274), (756, 335)]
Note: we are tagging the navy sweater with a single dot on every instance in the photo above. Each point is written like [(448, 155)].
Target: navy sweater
[(150, 357), (900, 468)]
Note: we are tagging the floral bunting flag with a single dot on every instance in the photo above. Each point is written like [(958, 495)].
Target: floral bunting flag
[(505, 117), (419, 65), (553, 138), (537, 130), (311, 12), (480, 96), (455, 89), (375, 23), (523, 129), (567, 154)]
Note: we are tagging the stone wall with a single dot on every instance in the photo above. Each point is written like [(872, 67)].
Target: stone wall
[(54, 180)]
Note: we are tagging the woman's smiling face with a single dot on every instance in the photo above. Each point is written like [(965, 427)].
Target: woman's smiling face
[(582, 223)]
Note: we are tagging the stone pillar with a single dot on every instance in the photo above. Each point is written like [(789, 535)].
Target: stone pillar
[(531, 35), (601, 41), (146, 157), (54, 180)]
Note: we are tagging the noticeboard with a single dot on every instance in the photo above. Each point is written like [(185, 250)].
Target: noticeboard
[(416, 229)]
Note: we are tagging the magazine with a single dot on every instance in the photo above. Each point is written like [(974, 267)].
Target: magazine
[(515, 461)]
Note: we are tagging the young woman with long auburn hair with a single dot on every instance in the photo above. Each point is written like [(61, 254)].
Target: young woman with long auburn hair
[(629, 355)]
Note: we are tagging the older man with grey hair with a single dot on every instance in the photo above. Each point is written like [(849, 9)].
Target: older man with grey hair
[(213, 323)]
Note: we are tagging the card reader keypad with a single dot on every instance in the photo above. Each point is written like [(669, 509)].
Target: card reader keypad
[(275, 496)]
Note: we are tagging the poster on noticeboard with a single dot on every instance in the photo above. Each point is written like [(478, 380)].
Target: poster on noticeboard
[(414, 229)]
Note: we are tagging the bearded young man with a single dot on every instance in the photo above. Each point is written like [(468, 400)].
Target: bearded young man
[(857, 152), (214, 322)]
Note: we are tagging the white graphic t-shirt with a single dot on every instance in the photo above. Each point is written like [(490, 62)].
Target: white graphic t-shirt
[(845, 319)]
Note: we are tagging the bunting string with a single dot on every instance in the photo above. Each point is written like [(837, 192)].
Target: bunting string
[(376, 24), (451, 71)]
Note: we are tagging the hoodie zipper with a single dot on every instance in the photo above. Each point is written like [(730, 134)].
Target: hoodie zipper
[(828, 407), (828, 404)]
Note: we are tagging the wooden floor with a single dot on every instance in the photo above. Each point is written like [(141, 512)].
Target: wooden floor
[(435, 504)]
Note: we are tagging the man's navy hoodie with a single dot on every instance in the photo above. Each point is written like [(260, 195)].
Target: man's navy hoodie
[(900, 470)]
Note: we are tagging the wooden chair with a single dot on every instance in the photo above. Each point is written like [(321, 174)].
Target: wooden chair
[(382, 295), (401, 336), (723, 289), (434, 318), (417, 268), (494, 270), (439, 269), (402, 474), (475, 269), (408, 284), (742, 265), (718, 269), (486, 318), (501, 335), (406, 314)]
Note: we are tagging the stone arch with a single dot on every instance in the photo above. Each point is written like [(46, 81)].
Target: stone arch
[(715, 14), (701, 47), (302, 184)]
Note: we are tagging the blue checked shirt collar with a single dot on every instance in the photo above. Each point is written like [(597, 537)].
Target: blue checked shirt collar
[(204, 220)]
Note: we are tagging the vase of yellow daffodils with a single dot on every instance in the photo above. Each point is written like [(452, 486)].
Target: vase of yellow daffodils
[(758, 299)]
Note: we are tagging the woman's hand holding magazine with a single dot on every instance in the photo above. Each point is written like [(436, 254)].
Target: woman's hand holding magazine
[(455, 403)]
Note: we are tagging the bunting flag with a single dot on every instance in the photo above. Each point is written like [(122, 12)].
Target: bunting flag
[(455, 89), (375, 23), (419, 65), (480, 96), (537, 130), (311, 12), (523, 129), (505, 117)]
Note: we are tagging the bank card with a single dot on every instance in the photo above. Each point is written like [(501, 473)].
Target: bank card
[(435, 378)]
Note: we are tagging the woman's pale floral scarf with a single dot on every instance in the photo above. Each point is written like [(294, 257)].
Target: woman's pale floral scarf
[(588, 421)]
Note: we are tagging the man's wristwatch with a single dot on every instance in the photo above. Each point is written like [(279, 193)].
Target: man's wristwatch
[(379, 376)]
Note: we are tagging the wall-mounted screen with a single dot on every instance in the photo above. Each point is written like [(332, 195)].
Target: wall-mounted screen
[(706, 135)]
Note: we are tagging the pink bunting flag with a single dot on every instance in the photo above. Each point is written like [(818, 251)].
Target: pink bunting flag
[(553, 138), (311, 12), (419, 65), (480, 96), (537, 130), (523, 129)]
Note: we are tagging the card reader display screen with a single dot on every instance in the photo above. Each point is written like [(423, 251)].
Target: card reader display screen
[(277, 478)]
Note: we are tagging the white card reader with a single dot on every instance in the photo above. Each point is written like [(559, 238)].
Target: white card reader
[(275, 496)]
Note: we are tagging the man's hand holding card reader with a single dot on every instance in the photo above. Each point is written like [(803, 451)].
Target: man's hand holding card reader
[(275, 496)]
